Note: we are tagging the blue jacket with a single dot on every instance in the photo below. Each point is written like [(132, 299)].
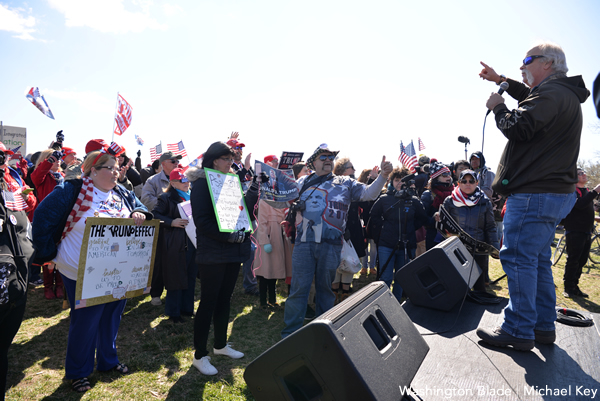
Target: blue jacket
[(52, 213)]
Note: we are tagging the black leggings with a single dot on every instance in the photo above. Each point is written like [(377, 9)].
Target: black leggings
[(265, 284), (11, 317), (217, 283)]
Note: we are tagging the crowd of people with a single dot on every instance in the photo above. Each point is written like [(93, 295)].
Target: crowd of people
[(388, 214)]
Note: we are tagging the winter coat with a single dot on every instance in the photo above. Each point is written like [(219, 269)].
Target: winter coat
[(213, 247), (153, 188), (173, 242), (278, 263), (477, 221), (51, 216), (387, 209), (543, 136), (43, 180)]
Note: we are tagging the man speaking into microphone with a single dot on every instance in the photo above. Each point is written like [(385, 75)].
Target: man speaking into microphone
[(537, 174)]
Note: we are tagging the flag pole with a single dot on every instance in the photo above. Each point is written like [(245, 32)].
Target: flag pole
[(186, 153), (115, 118)]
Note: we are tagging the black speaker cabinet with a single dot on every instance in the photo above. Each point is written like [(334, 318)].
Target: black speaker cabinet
[(439, 278), (365, 348)]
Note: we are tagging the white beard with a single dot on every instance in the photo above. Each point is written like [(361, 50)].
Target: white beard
[(528, 77)]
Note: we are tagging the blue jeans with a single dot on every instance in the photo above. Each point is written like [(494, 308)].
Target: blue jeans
[(529, 225), (310, 260), (396, 262), (249, 283)]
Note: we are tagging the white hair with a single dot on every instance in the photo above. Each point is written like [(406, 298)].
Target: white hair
[(553, 52)]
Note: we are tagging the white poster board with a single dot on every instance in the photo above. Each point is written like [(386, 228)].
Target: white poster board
[(116, 260), (228, 201), (185, 211)]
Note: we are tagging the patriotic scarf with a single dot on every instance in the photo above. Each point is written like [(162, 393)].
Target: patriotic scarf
[(461, 199), (82, 205), (441, 192)]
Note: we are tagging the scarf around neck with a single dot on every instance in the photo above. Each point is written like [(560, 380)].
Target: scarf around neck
[(460, 199)]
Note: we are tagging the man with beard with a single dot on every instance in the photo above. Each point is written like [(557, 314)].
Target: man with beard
[(324, 202), (537, 174)]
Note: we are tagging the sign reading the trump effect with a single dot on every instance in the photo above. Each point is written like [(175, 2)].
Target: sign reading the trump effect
[(116, 260)]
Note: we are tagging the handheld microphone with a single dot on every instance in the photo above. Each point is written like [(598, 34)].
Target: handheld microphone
[(503, 87)]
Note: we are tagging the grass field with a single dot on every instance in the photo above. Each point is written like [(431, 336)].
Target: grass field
[(160, 352)]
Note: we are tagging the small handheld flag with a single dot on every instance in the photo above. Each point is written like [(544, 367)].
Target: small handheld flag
[(35, 97), (122, 115)]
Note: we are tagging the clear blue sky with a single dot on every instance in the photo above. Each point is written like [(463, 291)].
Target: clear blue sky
[(360, 76)]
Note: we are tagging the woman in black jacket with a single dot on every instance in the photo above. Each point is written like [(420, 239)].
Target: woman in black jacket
[(219, 256), (473, 212), (176, 252), (400, 213)]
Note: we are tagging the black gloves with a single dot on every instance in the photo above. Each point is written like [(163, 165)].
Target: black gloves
[(262, 178), (139, 153), (237, 237), (56, 155)]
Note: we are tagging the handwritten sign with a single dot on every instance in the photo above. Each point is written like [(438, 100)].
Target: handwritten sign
[(185, 211), (116, 260), (228, 201)]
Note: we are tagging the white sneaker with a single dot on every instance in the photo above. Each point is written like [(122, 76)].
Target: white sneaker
[(228, 351), (156, 301), (204, 366)]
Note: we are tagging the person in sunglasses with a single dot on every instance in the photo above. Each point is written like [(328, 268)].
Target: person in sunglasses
[(437, 189), (322, 213), (473, 211), (537, 174), (153, 188)]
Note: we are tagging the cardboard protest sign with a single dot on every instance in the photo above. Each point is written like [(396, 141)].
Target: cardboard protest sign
[(228, 201), (116, 260), (185, 211), (288, 159), (281, 187), (447, 226)]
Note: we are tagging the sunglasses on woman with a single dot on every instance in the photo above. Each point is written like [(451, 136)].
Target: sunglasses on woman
[(467, 181)]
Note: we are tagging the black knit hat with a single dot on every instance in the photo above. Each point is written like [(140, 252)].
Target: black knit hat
[(215, 151)]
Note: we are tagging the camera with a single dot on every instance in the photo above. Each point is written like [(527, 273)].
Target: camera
[(407, 191), (298, 206)]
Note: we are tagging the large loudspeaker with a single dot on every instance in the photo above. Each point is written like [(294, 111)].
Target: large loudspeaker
[(365, 348), (440, 277)]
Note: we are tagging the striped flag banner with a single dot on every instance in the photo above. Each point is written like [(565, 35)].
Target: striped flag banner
[(37, 99), (408, 156), (122, 116), (14, 201), (421, 145), (155, 152), (177, 148)]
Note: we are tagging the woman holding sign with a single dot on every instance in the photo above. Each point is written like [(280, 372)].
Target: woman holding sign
[(176, 253), (58, 229), (219, 254)]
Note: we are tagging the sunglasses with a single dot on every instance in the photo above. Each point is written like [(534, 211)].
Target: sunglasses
[(227, 159), (237, 147), (529, 59), (582, 173), (183, 180), (326, 157), (174, 161), (112, 169), (352, 167), (445, 174), (467, 181)]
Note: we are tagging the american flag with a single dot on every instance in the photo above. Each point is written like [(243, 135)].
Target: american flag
[(13, 200), (122, 116), (155, 152), (35, 97), (139, 140), (177, 148), (408, 156), (421, 145)]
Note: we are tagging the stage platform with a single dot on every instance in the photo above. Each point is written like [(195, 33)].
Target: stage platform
[(459, 366)]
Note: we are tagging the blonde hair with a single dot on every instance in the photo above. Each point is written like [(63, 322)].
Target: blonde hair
[(89, 161), (43, 156)]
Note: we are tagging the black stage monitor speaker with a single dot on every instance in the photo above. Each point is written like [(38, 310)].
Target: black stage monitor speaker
[(440, 277), (365, 348)]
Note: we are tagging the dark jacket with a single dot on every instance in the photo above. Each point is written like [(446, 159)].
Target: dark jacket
[(15, 248), (477, 221), (393, 213), (52, 213), (543, 136), (581, 217), (213, 247), (173, 242)]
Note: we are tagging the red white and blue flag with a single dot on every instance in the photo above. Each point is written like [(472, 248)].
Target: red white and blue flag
[(13, 200), (421, 145), (155, 152), (35, 97), (408, 156), (177, 148), (122, 115)]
